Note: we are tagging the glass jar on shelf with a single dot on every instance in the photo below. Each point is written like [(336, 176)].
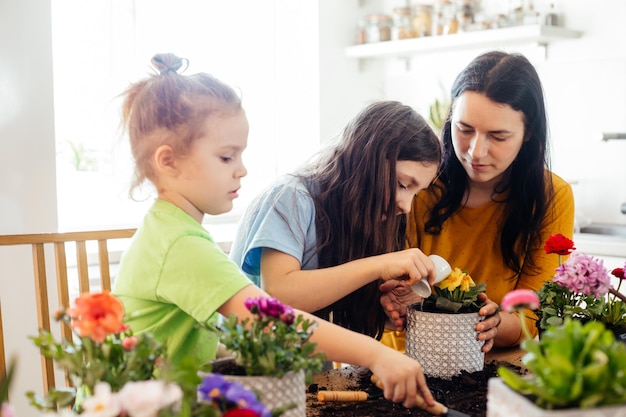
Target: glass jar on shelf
[(421, 22), (378, 28), (401, 28)]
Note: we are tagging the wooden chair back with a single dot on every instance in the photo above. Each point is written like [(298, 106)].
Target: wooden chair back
[(39, 243)]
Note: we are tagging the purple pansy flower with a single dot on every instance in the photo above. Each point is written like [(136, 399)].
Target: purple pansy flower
[(230, 394)]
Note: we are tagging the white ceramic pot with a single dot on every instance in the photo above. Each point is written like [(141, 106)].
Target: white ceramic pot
[(444, 344), (277, 392), (502, 401)]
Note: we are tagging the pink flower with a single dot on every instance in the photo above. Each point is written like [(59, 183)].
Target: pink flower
[(129, 342), (520, 300), (517, 299), (585, 274), (270, 307), (7, 410)]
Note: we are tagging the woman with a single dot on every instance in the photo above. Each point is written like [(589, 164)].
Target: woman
[(495, 201), (323, 239)]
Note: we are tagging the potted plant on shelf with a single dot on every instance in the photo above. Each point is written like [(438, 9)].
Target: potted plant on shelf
[(116, 373), (574, 370), (449, 315), (581, 290), (273, 354)]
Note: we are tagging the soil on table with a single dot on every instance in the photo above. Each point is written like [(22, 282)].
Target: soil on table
[(466, 393)]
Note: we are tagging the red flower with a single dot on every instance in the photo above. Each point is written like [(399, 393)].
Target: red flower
[(240, 412), (618, 272), (559, 244), (96, 315)]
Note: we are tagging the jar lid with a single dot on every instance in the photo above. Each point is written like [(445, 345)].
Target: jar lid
[(378, 17), (403, 11)]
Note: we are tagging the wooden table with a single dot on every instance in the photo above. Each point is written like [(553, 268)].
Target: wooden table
[(352, 379)]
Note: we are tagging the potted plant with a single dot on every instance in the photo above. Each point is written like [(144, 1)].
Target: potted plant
[(273, 354), (581, 289), (449, 315), (574, 369), (116, 373), (6, 409)]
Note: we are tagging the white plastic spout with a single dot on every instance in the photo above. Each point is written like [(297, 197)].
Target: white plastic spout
[(442, 270)]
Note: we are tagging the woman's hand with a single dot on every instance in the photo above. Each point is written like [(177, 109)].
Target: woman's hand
[(397, 295), (488, 328)]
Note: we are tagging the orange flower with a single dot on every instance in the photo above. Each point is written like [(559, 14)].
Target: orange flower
[(96, 315)]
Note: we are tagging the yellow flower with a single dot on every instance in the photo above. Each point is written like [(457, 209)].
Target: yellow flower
[(466, 282), (456, 279), (452, 281)]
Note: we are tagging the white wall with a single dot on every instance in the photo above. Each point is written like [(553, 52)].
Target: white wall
[(27, 169)]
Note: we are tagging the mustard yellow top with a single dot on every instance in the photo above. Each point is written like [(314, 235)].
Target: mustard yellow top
[(470, 240)]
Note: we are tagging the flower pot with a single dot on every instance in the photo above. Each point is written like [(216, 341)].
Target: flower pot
[(619, 332), (502, 401), (444, 344), (277, 392)]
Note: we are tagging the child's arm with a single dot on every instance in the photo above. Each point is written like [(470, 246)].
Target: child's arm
[(311, 290), (401, 376)]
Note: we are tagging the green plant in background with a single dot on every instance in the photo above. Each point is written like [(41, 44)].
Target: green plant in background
[(572, 366), (580, 289), (6, 410), (82, 158), (438, 112)]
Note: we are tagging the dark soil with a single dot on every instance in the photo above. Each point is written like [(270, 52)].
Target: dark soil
[(465, 393)]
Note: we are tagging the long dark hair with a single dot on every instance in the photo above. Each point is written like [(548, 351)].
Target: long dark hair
[(509, 79), (354, 189)]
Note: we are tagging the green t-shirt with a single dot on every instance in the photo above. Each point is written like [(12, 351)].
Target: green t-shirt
[(173, 278)]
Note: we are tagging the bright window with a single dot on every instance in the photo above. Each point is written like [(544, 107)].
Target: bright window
[(100, 46)]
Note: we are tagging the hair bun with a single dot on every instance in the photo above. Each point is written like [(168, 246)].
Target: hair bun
[(166, 63)]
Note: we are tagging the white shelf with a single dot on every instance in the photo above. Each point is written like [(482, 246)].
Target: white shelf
[(529, 34)]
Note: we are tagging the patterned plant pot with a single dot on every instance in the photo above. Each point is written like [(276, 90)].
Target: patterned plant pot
[(502, 401), (277, 392), (444, 344)]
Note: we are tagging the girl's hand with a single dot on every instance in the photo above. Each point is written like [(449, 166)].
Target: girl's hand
[(410, 264), (395, 298), (402, 377), (488, 328)]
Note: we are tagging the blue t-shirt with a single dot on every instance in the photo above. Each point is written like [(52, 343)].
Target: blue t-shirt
[(282, 218)]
